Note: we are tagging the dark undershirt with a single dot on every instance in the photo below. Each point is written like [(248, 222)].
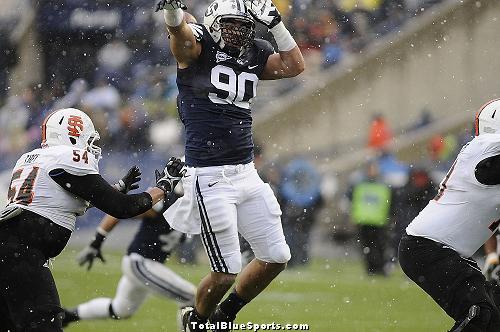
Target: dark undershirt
[(94, 189), (488, 171)]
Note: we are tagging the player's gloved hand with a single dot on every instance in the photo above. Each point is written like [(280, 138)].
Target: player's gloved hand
[(491, 269), (171, 175), (170, 5), (92, 251), (264, 11), (129, 181)]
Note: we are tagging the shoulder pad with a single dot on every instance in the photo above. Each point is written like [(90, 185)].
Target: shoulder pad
[(264, 45)]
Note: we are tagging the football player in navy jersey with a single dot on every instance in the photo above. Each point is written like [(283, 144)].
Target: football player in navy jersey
[(219, 64), (144, 272)]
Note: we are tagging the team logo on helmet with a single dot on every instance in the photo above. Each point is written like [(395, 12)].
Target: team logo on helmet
[(75, 125)]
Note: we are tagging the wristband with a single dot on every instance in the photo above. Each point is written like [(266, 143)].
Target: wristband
[(173, 17), (120, 186), (283, 38)]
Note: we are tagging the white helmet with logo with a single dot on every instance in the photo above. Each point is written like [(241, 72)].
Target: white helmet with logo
[(487, 119), (230, 25), (72, 127)]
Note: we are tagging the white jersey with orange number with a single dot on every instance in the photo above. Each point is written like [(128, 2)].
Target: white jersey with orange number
[(464, 213), (32, 188)]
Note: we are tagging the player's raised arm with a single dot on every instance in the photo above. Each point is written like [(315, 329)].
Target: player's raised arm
[(289, 61), (182, 40)]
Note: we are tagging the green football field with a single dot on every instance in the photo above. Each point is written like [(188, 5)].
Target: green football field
[(329, 295)]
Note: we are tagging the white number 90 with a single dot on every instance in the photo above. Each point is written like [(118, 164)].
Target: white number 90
[(234, 87)]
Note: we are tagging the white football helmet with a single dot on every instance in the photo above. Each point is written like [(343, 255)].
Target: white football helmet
[(72, 127), (230, 25), (487, 119)]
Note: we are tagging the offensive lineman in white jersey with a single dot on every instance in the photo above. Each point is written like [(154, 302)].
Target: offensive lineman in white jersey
[(436, 251), (50, 186)]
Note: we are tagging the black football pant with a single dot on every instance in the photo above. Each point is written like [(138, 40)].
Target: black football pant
[(454, 282), (28, 296), (373, 240)]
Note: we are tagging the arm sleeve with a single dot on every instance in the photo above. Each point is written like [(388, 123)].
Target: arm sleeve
[(487, 171), (93, 188)]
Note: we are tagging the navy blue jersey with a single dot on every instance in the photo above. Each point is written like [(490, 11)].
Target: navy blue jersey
[(155, 239), (215, 93)]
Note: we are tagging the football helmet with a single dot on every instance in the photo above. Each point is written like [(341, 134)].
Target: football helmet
[(72, 127), (487, 120), (231, 26)]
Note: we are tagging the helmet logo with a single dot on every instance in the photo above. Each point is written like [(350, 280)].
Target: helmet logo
[(211, 9), (75, 125)]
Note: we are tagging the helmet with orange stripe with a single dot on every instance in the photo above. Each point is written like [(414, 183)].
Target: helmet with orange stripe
[(72, 127), (488, 118)]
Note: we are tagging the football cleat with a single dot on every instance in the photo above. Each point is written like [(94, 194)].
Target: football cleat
[(222, 321), (70, 316), (191, 323)]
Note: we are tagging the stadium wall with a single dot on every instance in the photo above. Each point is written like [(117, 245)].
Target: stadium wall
[(446, 61)]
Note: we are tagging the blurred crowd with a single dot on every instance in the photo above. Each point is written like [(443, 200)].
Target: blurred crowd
[(111, 58)]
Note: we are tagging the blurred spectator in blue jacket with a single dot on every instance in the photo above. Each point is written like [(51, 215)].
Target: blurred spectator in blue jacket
[(300, 195)]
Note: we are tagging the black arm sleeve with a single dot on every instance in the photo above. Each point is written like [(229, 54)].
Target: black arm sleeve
[(488, 170), (99, 193)]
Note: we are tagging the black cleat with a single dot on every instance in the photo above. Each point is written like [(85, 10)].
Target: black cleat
[(190, 322), (222, 321), (70, 316)]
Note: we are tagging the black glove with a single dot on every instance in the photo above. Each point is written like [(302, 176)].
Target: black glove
[(92, 251), (264, 11), (171, 175), (129, 181), (170, 5)]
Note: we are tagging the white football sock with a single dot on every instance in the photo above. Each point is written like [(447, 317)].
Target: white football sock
[(94, 309)]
